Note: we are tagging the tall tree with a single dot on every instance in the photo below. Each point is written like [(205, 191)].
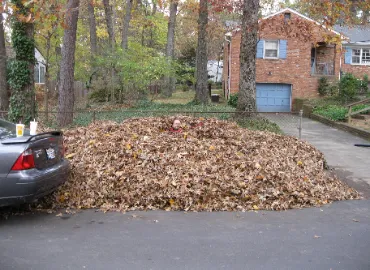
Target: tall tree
[(170, 47), (66, 91), (154, 12), (329, 13), (126, 24), (248, 50), (201, 95), (4, 100), (108, 9), (92, 28)]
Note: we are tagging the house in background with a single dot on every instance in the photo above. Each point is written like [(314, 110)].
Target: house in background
[(287, 66), (214, 69), (356, 55), (40, 66)]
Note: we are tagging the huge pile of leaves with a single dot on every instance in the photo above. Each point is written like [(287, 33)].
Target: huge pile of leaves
[(211, 165)]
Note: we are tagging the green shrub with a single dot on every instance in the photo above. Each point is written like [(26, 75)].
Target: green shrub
[(334, 89), (99, 95), (348, 87), (324, 86), (360, 107), (333, 112), (233, 100)]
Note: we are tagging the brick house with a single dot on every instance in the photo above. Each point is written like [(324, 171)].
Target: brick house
[(293, 52), (356, 53)]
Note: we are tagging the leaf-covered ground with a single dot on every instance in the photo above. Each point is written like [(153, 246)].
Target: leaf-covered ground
[(212, 165)]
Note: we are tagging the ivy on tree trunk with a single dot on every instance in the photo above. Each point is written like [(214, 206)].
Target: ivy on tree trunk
[(21, 68), (248, 50), (4, 99)]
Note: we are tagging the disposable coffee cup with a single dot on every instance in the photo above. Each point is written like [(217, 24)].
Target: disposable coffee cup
[(19, 129), (33, 128)]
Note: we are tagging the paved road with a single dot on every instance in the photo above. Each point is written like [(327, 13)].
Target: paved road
[(351, 163), (176, 240)]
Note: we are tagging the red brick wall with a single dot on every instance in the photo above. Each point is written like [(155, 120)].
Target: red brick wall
[(357, 70), (295, 70)]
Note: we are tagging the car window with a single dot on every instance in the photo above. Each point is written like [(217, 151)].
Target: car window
[(7, 130)]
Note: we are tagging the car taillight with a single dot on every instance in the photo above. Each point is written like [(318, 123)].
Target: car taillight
[(25, 161)]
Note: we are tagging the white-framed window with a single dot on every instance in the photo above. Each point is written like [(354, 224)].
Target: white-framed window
[(361, 56), (42, 74), (39, 74), (271, 49)]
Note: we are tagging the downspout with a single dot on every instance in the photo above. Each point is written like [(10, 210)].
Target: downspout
[(340, 61), (228, 70)]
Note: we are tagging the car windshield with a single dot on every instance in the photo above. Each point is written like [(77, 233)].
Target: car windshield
[(7, 130)]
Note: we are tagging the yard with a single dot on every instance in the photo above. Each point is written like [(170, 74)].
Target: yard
[(346, 100), (128, 159), (135, 162), (334, 109)]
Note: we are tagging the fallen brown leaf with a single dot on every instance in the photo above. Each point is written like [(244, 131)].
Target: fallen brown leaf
[(219, 167)]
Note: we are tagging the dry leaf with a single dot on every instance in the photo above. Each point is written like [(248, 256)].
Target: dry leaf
[(167, 172), (69, 156)]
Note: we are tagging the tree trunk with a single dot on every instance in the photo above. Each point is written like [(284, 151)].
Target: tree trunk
[(4, 99), (92, 26), (248, 50), (170, 47), (66, 91), (109, 20), (151, 40), (126, 25), (202, 74)]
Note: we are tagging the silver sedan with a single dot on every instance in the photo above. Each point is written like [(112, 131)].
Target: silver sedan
[(30, 166)]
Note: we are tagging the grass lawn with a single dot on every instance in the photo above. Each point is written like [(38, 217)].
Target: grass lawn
[(178, 104)]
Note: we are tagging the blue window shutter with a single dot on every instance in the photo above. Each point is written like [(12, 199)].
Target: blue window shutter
[(348, 56), (260, 48), (283, 47)]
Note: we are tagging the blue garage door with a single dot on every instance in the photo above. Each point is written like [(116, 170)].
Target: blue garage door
[(272, 97)]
